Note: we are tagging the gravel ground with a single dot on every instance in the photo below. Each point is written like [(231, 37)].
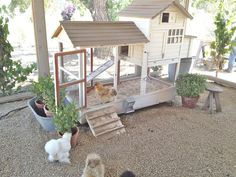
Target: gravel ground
[(161, 141)]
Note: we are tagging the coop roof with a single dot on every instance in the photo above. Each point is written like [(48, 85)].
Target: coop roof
[(95, 34), (151, 8)]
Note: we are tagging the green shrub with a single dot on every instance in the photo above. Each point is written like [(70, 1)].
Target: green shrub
[(12, 74), (43, 87), (190, 85), (65, 117)]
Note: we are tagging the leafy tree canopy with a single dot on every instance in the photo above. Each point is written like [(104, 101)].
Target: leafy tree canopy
[(212, 5), (112, 6)]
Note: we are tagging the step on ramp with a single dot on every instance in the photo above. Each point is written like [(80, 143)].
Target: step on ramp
[(105, 122)]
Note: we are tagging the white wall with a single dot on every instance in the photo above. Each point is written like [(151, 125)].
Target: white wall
[(158, 48)]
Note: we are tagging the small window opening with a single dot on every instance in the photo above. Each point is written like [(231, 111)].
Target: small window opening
[(165, 17), (124, 50)]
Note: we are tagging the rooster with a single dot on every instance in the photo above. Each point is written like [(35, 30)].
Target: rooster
[(105, 94)]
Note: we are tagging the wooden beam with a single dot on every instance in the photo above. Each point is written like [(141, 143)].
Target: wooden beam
[(116, 57), (91, 63), (61, 63), (40, 37), (221, 81)]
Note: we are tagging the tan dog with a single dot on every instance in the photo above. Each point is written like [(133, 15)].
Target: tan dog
[(93, 166)]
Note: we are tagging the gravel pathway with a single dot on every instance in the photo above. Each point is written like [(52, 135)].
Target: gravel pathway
[(161, 141)]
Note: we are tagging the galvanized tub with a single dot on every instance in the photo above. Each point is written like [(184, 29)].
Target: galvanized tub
[(45, 122)]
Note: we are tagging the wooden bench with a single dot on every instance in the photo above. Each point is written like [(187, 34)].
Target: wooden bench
[(213, 94)]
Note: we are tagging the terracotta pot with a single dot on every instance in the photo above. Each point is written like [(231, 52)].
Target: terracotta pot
[(47, 112), (74, 138), (189, 102), (75, 135), (39, 104)]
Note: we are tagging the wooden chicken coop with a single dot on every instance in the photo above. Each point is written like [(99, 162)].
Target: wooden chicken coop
[(149, 33)]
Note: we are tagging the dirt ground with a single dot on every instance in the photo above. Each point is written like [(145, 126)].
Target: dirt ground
[(161, 141)]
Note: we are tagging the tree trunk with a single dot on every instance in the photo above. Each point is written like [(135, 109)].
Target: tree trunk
[(100, 14)]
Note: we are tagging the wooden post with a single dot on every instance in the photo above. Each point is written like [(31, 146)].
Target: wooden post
[(61, 63), (138, 70), (116, 56), (91, 64), (40, 37), (143, 83), (56, 81), (81, 76), (118, 74)]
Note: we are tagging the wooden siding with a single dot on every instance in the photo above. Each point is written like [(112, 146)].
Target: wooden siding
[(151, 8), (159, 50), (136, 54), (98, 34), (187, 47)]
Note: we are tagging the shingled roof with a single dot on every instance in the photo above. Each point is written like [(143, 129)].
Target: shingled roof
[(95, 34), (151, 8)]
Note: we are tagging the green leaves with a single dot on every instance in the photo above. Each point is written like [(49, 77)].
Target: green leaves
[(190, 85), (114, 7), (65, 117), (224, 33), (12, 74)]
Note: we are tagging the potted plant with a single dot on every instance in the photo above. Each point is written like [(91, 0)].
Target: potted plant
[(65, 119), (156, 71), (37, 88), (44, 90), (189, 87)]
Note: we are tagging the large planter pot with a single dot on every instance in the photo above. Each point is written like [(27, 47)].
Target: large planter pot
[(75, 136), (189, 102), (39, 104), (47, 112), (45, 122)]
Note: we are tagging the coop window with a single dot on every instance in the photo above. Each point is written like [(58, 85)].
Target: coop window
[(124, 50), (165, 17), (175, 36)]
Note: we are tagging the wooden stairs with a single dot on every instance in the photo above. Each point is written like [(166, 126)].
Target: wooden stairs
[(105, 122)]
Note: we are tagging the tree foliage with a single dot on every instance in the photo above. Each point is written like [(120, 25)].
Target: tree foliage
[(23, 5), (212, 5), (112, 7), (11, 72), (224, 33)]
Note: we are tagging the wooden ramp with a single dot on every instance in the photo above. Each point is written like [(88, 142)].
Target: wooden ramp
[(105, 122)]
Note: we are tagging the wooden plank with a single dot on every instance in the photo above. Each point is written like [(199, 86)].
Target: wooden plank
[(101, 112), (105, 123), (103, 119), (108, 131), (213, 88), (112, 134), (16, 97), (211, 102), (207, 102), (107, 127), (218, 105), (221, 81)]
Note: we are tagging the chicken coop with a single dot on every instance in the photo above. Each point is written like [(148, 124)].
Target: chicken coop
[(149, 33)]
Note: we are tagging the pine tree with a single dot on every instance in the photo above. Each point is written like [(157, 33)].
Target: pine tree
[(223, 37)]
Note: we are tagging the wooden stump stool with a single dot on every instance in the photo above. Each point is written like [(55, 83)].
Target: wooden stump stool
[(213, 94)]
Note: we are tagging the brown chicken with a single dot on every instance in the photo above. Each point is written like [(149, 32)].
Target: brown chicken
[(105, 94)]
